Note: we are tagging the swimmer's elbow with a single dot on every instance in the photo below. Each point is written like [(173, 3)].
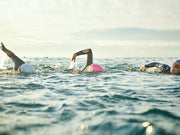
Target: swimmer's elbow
[(90, 50), (85, 51)]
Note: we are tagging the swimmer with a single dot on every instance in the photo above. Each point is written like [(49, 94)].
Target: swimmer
[(156, 67), (19, 65), (90, 67)]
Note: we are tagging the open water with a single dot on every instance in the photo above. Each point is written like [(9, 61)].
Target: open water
[(115, 102)]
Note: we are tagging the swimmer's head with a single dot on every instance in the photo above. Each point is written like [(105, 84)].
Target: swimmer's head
[(93, 68), (177, 63), (175, 69), (26, 68)]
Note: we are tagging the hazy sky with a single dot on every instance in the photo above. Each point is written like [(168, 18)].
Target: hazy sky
[(112, 28)]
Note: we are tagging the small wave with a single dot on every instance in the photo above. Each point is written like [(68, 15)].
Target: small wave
[(34, 86), (162, 113), (156, 100), (124, 97), (107, 112), (30, 86), (26, 105), (50, 109), (2, 108), (10, 87), (67, 115), (26, 127), (117, 97), (90, 105)]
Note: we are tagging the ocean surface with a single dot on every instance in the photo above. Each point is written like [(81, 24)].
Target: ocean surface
[(115, 102)]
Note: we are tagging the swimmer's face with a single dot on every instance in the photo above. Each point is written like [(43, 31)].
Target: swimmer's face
[(175, 69), (89, 69)]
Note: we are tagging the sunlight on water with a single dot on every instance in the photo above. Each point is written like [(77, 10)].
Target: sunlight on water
[(149, 128), (146, 124), (84, 127)]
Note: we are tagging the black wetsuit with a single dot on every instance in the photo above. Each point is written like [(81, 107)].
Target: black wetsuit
[(164, 68), (17, 62), (89, 57)]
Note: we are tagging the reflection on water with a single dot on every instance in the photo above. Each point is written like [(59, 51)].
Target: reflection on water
[(149, 128)]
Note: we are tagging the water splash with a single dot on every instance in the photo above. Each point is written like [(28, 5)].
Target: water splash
[(72, 65), (3, 60)]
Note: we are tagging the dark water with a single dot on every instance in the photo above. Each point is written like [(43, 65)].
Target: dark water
[(115, 102)]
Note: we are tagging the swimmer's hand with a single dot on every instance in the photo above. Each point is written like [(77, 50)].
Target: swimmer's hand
[(143, 68), (74, 58), (127, 68), (2, 46)]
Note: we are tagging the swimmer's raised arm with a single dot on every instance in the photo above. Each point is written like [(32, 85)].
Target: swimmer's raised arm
[(82, 52), (4, 49), (153, 64), (17, 61), (85, 51), (74, 57)]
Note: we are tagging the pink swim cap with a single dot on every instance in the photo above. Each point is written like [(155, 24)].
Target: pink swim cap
[(96, 68)]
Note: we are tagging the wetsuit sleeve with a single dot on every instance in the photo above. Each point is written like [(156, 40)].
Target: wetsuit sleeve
[(89, 56), (153, 64), (17, 61)]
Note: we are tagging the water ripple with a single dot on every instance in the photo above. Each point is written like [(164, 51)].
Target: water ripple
[(117, 101), (164, 113)]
